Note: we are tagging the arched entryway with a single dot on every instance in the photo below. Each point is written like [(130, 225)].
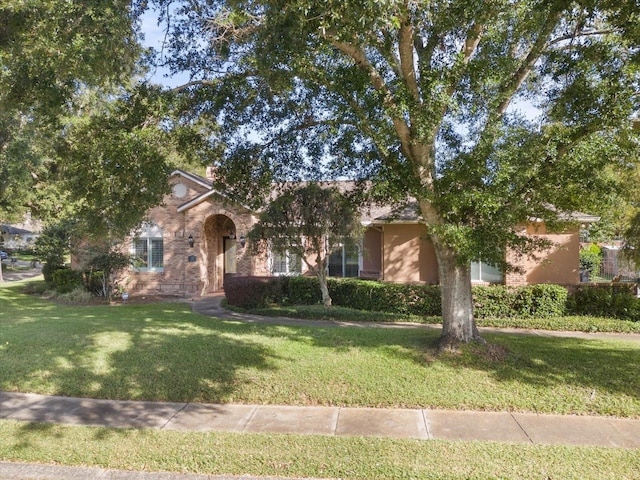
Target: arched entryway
[(220, 250)]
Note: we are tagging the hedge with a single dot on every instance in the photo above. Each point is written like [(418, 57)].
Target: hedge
[(489, 301), (495, 301), (253, 292), (608, 300)]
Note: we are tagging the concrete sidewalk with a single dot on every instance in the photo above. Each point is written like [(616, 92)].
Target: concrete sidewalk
[(421, 424)]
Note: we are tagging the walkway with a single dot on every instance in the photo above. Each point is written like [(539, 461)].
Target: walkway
[(421, 424)]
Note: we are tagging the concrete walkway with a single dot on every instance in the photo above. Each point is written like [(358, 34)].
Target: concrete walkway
[(420, 424)]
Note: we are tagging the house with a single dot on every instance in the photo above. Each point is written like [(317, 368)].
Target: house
[(20, 235), (197, 237)]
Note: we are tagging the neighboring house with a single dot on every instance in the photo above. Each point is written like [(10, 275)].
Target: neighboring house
[(20, 235), (197, 237)]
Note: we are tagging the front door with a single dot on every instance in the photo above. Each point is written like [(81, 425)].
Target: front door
[(229, 256)]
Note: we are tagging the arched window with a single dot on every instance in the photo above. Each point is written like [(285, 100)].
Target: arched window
[(148, 249)]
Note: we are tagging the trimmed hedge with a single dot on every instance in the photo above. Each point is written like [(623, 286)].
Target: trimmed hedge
[(253, 292), (609, 300), (496, 301)]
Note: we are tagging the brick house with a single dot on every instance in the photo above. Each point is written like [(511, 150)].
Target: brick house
[(197, 237)]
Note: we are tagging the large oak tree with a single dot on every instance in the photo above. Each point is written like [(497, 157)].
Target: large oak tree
[(429, 101)]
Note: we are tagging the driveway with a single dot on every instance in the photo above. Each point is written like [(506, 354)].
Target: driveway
[(20, 270)]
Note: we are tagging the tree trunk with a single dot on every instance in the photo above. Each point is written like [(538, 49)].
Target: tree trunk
[(458, 323), (322, 279)]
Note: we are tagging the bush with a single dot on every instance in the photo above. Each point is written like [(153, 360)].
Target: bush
[(301, 290), (615, 301), (77, 296), (48, 269), (591, 259), (65, 280), (541, 301), (496, 301), (253, 292)]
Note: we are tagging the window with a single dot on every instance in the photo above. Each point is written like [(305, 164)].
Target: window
[(344, 262), (285, 263), (148, 250), (483, 272)]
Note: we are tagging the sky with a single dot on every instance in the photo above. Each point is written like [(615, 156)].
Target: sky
[(154, 36)]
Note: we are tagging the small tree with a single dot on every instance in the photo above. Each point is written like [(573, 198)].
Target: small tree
[(303, 222), (53, 246), (107, 264)]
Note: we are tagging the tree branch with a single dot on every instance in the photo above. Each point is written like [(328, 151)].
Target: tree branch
[(407, 63), (359, 57), (578, 35), (511, 87)]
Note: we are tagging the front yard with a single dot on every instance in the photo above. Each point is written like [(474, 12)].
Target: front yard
[(166, 352)]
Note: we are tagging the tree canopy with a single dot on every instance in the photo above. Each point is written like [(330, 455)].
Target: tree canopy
[(305, 222), (427, 100)]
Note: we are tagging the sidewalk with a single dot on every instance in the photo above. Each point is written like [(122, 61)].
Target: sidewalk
[(420, 424)]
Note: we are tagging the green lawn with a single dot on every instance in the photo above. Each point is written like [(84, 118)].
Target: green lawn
[(313, 456), (165, 352)]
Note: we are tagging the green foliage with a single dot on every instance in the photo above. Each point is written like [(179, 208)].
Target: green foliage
[(49, 50), (591, 259), (615, 301), (302, 221), (113, 159), (300, 290), (416, 97), (105, 265), (534, 301), (48, 269), (52, 245), (65, 280)]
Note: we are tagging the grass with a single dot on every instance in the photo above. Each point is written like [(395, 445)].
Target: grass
[(313, 456), (165, 352), (569, 323)]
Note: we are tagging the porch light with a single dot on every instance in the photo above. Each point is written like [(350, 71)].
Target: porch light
[(243, 241), (190, 240)]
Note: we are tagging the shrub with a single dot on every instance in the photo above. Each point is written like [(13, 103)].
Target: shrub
[(495, 301), (48, 269), (541, 301), (301, 290), (64, 280), (591, 259), (253, 292), (77, 296), (616, 301)]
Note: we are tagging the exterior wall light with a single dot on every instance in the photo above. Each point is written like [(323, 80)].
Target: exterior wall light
[(190, 240), (243, 241)]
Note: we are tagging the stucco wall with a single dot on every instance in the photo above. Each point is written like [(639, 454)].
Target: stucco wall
[(559, 264), (408, 255)]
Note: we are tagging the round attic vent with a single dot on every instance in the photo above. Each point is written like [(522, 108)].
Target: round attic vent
[(179, 190)]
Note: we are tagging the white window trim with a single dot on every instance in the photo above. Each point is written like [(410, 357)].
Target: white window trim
[(149, 233), (480, 264), (288, 272)]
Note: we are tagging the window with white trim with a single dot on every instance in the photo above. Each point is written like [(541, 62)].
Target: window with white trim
[(148, 250), (285, 263), (483, 272), (344, 262)]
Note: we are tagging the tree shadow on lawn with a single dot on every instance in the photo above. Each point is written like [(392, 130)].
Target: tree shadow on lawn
[(149, 352), (606, 367)]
